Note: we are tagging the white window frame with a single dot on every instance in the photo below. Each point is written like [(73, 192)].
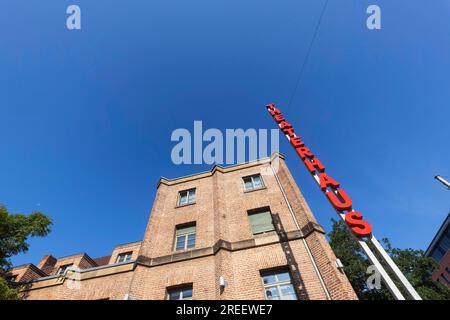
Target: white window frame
[(186, 236), (127, 256), (251, 177), (62, 269), (277, 284), (188, 193)]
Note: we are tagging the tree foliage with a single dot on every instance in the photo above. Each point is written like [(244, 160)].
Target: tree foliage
[(416, 267), (6, 292), (15, 229)]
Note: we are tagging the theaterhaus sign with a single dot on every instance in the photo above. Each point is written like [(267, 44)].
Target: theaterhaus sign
[(342, 203), (336, 195)]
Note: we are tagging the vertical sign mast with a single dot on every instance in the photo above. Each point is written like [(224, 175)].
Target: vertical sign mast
[(342, 203)]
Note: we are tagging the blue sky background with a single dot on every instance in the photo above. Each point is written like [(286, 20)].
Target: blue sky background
[(86, 116)]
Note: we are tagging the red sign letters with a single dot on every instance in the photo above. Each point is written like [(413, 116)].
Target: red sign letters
[(336, 195)]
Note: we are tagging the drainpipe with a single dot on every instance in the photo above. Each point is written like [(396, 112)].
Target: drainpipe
[(304, 241)]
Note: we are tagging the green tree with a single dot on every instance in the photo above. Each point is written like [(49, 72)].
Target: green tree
[(15, 229), (6, 292), (416, 267)]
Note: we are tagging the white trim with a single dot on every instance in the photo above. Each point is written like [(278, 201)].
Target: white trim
[(277, 284)]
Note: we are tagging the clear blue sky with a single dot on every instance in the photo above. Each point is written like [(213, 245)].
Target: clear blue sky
[(86, 116)]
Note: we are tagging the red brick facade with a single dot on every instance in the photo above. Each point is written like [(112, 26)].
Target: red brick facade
[(225, 246), (442, 274)]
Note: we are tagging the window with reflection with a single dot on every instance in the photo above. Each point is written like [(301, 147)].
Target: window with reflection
[(186, 197), (278, 285), (185, 237), (180, 293), (253, 182)]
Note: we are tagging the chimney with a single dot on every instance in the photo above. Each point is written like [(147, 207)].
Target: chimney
[(47, 261)]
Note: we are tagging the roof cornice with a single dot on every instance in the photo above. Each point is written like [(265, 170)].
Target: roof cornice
[(438, 235), (219, 168)]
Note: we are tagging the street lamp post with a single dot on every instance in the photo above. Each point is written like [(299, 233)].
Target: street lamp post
[(443, 181)]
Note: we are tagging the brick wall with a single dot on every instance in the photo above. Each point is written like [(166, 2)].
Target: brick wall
[(225, 245), (335, 280), (113, 287), (442, 274), (221, 213)]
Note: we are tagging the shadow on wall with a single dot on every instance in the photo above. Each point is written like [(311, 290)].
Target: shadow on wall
[(23, 288), (297, 279)]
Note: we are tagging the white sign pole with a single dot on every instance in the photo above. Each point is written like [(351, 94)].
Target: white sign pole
[(373, 259)]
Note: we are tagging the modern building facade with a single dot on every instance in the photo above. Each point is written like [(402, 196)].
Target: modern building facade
[(439, 250), (238, 232)]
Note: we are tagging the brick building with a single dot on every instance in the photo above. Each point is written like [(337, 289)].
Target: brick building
[(237, 232), (439, 250)]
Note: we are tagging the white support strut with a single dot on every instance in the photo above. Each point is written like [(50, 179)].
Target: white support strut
[(406, 284), (373, 259)]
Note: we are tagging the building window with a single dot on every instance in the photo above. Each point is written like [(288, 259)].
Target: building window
[(437, 255), (278, 285), (253, 182), (180, 293), (124, 257), (445, 275), (439, 252), (63, 268), (261, 221), (12, 278), (186, 197), (444, 242), (185, 237)]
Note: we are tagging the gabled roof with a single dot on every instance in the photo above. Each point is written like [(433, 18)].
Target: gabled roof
[(101, 261)]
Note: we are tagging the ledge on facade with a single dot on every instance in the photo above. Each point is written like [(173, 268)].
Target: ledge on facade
[(270, 238), (95, 272), (48, 264), (312, 226), (105, 270)]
